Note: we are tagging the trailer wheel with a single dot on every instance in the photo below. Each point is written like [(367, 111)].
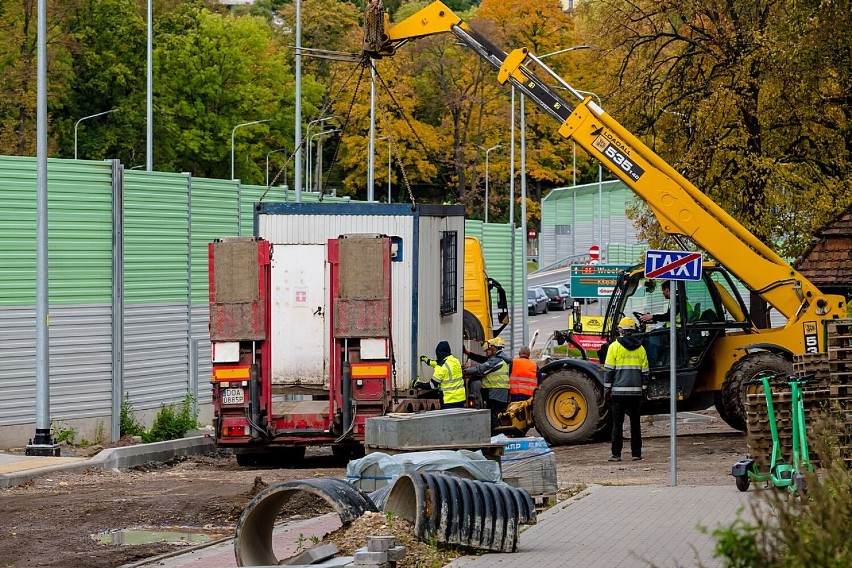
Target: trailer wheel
[(568, 408), (472, 328), (746, 369)]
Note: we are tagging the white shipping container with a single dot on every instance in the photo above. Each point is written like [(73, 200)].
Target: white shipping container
[(300, 283)]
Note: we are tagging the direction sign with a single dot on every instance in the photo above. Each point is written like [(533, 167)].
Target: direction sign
[(673, 265), (594, 280), (594, 252)]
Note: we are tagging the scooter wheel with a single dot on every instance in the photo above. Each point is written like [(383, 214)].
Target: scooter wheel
[(743, 482)]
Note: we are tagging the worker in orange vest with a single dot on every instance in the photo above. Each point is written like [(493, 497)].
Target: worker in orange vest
[(523, 379)]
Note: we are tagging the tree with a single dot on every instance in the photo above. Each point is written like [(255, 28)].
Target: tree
[(711, 83), (215, 72), (18, 76), (109, 65)]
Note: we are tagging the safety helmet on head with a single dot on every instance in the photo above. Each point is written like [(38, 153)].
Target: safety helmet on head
[(627, 323), (495, 342)]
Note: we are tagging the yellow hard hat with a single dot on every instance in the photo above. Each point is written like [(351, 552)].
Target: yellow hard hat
[(627, 323), (495, 342)]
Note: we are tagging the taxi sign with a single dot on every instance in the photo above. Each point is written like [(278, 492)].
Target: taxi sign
[(673, 265)]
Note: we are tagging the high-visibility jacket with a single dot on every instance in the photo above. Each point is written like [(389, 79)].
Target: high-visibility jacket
[(626, 369), (524, 377), (449, 378)]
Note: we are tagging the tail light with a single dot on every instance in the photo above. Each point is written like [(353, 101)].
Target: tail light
[(235, 431)]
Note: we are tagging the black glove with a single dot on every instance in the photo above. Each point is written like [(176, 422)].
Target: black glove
[(425, 359)]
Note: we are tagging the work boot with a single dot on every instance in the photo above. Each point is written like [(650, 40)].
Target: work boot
[(614, 458)]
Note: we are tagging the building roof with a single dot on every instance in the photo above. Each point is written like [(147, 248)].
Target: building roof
[(827, 262)]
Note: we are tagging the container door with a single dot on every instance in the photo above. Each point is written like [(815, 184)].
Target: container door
[(299, 334)]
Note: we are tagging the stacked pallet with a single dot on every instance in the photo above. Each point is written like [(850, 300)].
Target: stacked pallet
[(827, 400)]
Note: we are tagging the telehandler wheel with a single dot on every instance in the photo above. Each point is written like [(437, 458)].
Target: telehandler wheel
[(746, 369), (568, 408), (472, 328)]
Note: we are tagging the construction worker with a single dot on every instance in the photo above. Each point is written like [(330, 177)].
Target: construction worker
[(626, 376), (494, 368), (523, 379), (447, 376)]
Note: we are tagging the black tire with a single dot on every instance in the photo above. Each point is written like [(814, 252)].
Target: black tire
[(746, 369), (249, 460), (564, 305), (471, 328), (720, 408), (569, 408), (545, 309), (743, 482), (289, 457)]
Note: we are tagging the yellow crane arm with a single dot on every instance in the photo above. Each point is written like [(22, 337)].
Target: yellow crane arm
[(680, 207)]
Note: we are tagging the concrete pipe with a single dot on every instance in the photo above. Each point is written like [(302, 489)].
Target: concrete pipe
[(253, 541)]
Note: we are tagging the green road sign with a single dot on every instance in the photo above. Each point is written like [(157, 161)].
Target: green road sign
[(594, 280)]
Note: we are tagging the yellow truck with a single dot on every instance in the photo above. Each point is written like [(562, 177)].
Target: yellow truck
[(478, 322), (719, 348)]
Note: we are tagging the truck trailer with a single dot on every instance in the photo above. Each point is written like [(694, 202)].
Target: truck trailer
[(317, 322)]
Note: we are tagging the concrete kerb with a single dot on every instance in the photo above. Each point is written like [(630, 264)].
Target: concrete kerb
[(124, 457)]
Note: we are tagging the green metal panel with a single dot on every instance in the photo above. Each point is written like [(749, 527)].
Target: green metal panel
[(214, 215), (79, 231), (156, 218)]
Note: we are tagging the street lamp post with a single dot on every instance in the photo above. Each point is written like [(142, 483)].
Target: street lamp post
[(81, 120), (310, 145), (232, 140), (600, 180), (388, 138), (267, 166), (308, 153), (486, 175), (149, 96)]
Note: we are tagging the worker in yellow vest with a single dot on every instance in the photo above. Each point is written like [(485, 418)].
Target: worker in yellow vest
[(494, 367), (447, 376), (524, 378)]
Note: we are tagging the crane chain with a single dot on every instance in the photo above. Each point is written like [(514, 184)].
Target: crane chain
[(345, 122), (395, 148), (323, 111)]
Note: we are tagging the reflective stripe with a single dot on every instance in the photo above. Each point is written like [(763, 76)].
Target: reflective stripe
[(451, 380), (523, 379), (497, 379)]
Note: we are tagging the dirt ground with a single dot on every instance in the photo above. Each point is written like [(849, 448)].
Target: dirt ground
[(50, 521)]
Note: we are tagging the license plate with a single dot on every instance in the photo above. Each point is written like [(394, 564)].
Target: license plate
[(233, 396)]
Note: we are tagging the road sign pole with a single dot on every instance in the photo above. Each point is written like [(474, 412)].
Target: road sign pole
[(673, 384)]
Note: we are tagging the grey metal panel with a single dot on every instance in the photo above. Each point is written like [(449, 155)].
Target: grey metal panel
[(201, 334), (429, 289), (80, 363), (156, 354)]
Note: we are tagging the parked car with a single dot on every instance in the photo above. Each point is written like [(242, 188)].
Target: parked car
[(559, 297), (536, 301)]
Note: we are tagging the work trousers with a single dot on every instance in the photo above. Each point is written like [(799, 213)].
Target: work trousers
[(628, 405), (445, 405), (496, 407)]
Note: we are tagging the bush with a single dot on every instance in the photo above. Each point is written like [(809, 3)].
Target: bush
[(171, 423), (127, 423), (806, 530)]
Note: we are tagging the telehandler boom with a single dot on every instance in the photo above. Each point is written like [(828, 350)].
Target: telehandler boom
[(719, 348)]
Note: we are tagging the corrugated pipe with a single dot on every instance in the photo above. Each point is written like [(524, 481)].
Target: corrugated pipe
[(459, 511), (253, 541)]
